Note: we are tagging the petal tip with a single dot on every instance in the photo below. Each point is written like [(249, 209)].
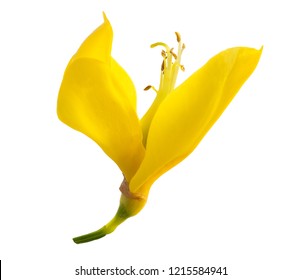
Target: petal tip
[(106, 22), (105, 18)]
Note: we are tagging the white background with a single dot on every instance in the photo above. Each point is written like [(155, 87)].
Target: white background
[(234, 202)]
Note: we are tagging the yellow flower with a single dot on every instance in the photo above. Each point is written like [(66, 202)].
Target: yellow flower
[(98, 98)]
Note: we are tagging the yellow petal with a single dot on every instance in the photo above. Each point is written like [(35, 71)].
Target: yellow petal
[(186, 115), (91, 102), (98, 98), (125, 83), (98, 45)]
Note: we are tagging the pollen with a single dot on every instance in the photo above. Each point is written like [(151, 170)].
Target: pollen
[(173, 54), (162, 66), (178, 37), (150, 87)]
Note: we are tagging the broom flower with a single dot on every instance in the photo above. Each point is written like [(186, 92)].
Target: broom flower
[(98, 98)]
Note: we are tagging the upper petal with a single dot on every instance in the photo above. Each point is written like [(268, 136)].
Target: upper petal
[(98, 98), (90, 102), (98, 44), (125, 83), (187, 114)]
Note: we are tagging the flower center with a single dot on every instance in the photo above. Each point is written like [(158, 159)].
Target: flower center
[(169, 71), (170, 66)]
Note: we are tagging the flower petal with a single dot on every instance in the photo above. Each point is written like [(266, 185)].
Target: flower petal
[(98, 98), (125, 83), (91, 100), (98, 45), (186, 115)]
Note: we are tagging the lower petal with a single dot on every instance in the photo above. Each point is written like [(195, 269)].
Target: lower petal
[(187, 114)]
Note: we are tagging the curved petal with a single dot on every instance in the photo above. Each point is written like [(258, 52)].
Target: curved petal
[(125, 82), (98, 44), (98, 98), (187, 114), (92, 101)]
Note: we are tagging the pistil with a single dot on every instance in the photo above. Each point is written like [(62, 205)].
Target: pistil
[(169, 71)]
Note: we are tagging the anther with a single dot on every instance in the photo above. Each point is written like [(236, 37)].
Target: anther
[(150, 87), (163, 53), (178, 37), (162, 66), (173, 54), (182, 68), (183, 46)]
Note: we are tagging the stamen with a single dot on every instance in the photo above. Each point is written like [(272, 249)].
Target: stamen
[(170, 66), (173, 54), (183, 46), (178, 37), (150, 87), (162, 66)]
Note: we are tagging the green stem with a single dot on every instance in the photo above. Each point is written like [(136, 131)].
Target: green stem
[(128, 207), (119, 218), (91, 236)]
